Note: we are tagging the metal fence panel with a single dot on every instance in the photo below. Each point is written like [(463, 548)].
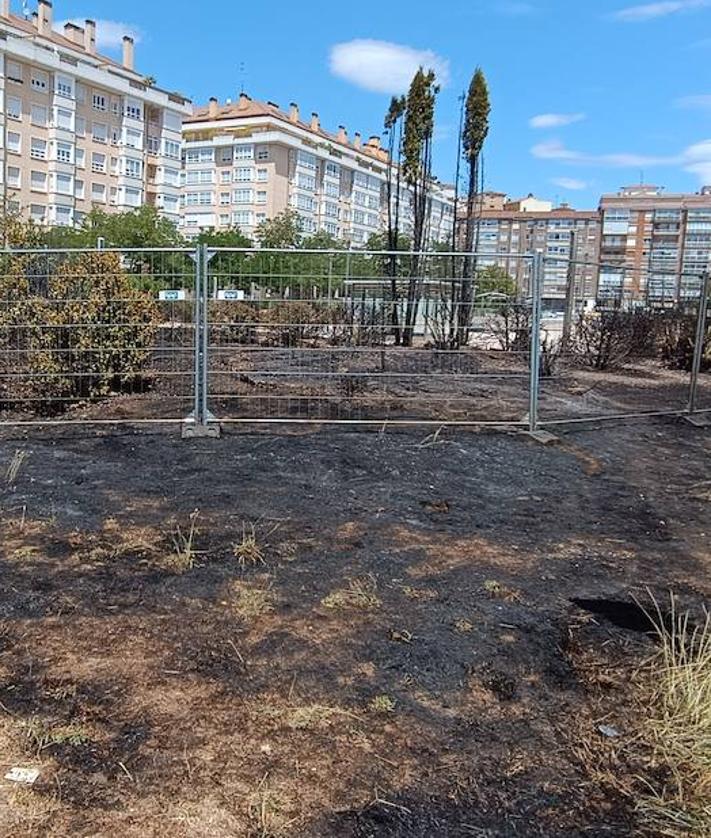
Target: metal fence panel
[(351, 336), (96, 335)]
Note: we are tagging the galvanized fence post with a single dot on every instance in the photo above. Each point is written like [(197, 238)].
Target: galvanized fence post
[(700, 341), (535, 353), (201, 422)]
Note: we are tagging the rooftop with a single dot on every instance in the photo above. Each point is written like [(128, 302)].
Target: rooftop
[(247, 108)]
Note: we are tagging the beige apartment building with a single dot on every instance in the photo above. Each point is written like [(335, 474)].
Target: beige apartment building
[(79, 129), (247, 161), (507, 229), (655, 245)]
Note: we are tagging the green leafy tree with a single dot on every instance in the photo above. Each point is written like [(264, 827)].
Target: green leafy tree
[(417, 171), (282, 231), (475, 132)]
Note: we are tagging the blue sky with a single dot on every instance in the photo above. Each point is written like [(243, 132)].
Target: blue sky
[(619, 87)]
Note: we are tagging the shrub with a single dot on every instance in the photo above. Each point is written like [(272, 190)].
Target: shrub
[(511, 327), (72, 328), (605, 338), (677, 339), (293, 324), (232, 322)]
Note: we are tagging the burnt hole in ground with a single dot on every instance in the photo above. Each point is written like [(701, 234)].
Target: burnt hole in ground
[(627, 614)]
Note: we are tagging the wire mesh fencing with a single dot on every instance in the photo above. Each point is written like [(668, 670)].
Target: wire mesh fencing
[(351, 336), (96, 335), (206, 336)]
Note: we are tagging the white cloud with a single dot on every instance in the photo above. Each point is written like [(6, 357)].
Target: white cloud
[(570, 183), (663, 8), (109, 33), (384, 67), (695, 159), (555, 120), (700, 102)]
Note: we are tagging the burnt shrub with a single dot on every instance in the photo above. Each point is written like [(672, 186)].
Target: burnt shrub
[(677, 338), (606, 338), (76, 329)]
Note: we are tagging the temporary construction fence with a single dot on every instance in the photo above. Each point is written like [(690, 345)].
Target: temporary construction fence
[(208, 336)]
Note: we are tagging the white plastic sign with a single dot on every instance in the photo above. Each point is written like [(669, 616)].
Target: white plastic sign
[(230, 294), (172, 296)]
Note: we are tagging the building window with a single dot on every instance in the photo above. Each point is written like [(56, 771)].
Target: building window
[(244, 174), (198, 176), (38, 149), (226, 155), (242, 196), (37, 213), (224, 199), (199, 155), (306, 182), (63, 216), (263, 153), (133, 197), (14, 107), (226, 176), (98, 163), (38, 116), (171, 149), (333, 169), (13, 71), (14, 142), (244, 151), (80, 126), (64, 153), (64, 184), (134, 139), (242, 218), (79, 189), (80, 157), (331, 189), (98, 102), (308, 161), (64, 86), (38, 80), (38, 181), (13, 176), (98, 192), (171, 177), (261, 197), (133, 109), (99, 132), (64, 118), (132, 168), (262, 174)]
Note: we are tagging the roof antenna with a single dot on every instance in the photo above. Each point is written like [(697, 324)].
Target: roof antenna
[(641, 177), (241, 77)]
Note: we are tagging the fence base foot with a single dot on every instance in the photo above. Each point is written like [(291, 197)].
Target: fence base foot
[(699, 420), (542, 437), (198, 430)]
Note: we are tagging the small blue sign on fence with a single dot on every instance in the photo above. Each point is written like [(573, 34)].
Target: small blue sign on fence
[(171, 296), (230, 294)]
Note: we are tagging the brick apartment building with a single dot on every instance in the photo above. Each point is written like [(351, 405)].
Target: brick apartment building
[(248, 160), (507, 229), (79, 129), (655, 245)]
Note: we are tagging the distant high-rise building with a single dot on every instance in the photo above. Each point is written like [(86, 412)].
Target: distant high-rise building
[(248, 161), (655, 245), (80, 129), (505, 230)]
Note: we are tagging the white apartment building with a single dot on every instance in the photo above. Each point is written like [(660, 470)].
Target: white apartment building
[(78, 129), (248, 161)]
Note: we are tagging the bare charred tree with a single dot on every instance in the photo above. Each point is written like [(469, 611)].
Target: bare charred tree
[(476, 130), (417, 172), (393, 127)]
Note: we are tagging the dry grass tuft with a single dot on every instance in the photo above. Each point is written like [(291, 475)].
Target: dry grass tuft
[(248, 551), (678, 727), (43, 735), (184, 554), (497, 590), (14, 466), (254, 602), (382, 704), (360, 594)]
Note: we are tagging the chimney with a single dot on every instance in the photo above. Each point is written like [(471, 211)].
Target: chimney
[(90, 36), (5, 8), (356, 140), (293, 112), (374, 141), (342, 137), (128, 52), (273, 105), (243, 102), (213, 108), (44, 20), (315, 122), (74, 33)]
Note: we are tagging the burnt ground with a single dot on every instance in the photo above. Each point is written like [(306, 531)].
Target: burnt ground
[(396, 653)]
